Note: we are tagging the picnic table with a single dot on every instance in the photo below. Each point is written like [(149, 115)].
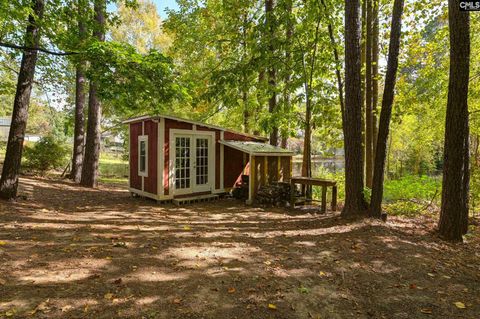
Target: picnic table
[(324, 183)]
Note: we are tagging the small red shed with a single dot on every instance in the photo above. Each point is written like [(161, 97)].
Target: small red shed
[(173, 158)]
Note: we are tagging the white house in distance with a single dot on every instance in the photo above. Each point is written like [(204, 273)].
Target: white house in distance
[(5, 122)]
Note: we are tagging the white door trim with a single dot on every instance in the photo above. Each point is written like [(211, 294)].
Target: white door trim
[(211, 154)]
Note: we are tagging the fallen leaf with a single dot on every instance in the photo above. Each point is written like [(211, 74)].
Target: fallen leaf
[(322, 274), (459, 305), (426, 311), (231, 290), (66, 308), (108, 295), (272, 306), (11, 312), (3, 243), (43, 306), (177, 301)]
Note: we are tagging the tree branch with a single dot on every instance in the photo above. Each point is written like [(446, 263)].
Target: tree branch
[(25, 48)]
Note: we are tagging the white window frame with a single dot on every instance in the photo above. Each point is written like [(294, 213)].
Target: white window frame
[(143, 138)]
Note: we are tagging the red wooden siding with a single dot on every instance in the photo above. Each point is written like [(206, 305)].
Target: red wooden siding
[(135, 131), (170, 124), (232, 166), (230, 136), (150, 182)]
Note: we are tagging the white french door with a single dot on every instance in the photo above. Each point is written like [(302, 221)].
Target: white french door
[(192, 163)]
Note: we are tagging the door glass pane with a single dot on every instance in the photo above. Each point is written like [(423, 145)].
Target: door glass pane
[(182, 162), (201, 153)]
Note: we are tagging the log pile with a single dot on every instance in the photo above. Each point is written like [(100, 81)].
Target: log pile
[(275, 194)]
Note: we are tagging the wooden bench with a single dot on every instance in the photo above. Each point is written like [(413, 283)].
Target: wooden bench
[(324, 183)]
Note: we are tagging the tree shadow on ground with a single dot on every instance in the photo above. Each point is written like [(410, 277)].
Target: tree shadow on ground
[(71, 252)]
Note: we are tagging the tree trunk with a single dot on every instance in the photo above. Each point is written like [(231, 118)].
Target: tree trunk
[(386, 112), (307, 142), (466, 176), (338, 65), (260, 100), (246, 111), (272, 72), (363, 58), (375, 48), (79, 130), (288, 68), (307, 146), (92, 147), (455, 172), (13, 156), (354, 199), (368, 99)]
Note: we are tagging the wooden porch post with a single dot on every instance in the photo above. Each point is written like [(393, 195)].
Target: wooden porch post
[(251, 180)]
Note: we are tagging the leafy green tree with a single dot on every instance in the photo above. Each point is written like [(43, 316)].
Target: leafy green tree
[(140, 26)]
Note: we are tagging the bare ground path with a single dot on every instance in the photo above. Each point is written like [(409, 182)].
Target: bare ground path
[(70, 252)]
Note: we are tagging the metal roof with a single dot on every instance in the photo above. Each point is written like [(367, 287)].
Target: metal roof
[(257, 148), (156, 117)]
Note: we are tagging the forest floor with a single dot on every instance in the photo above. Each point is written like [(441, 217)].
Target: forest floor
[(70, 252)]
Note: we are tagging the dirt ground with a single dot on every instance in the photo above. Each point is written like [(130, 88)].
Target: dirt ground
[(70, 252)]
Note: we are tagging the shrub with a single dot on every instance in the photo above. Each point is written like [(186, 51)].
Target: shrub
[(48, 153), (412, 187)]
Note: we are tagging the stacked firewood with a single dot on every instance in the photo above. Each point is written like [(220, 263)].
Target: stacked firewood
[(275, 194)]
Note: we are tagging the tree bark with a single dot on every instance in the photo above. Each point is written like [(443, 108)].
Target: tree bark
[(338, 65), (79, 130), (363, 58), (92, 146), (455, 171), (466, 176), (288, 69), (375, 48), (368, 98), (260, 106), (354, 199), (386, 112), (13, 156), (272, 72)]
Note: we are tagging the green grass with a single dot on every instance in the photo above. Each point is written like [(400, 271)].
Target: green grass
[(114, 180), (113, 169)]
